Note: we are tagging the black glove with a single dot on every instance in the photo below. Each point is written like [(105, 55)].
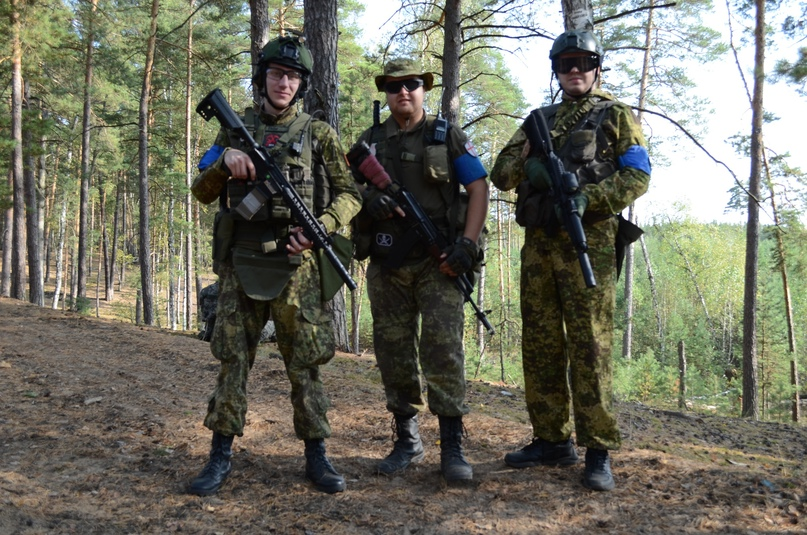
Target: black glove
[(380, 206), (462, 255)]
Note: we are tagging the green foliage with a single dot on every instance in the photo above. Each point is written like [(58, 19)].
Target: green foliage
[(644, 379)]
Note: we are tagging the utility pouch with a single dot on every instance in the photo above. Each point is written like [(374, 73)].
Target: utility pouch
[(462, 211), (237, 189), (582, 146), (223, 237), (435, 164), (533, 208)]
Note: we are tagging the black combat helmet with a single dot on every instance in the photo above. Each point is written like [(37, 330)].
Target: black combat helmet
[(290, 51)]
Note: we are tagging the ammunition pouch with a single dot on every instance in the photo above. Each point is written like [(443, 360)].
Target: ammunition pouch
[(223, 237), (534, 208), (436, 164)]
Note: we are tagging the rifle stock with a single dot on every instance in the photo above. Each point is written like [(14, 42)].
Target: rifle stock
[(272, 181), (564, 186)]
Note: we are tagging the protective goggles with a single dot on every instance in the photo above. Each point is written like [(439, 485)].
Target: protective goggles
[(411, 84), (583, 64)]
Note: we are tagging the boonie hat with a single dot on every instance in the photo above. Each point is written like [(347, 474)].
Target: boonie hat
[(398, 68)]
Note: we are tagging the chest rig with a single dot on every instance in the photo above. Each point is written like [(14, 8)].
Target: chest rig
[(584, 150), (290, 145), (420, 161)]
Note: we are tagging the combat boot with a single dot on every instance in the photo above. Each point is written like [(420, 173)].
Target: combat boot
[(542, 452), (453, 465), (597, 475), (318, 469), (407, 448), (217, 469)]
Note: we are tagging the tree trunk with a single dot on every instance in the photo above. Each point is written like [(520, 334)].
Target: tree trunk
[(452, 47), (781, 262), (145, 243), (577, 15), (189, 175), (750, 407), (321, 37), (8, 235), (321, 33), (654, 293), (36, 291), (84, 196), (18, 240), (60, 255), (682, 376), (258, 34)]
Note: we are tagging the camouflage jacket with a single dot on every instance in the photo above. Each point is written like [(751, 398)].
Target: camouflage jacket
[(615, 192)]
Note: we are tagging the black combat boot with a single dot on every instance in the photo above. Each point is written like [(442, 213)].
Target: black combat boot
[(318, 469), (407, 449), (597, 475), (217, 469), (453, 464), (542, 452)]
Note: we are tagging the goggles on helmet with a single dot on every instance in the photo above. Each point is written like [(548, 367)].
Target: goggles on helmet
[(583, 63)]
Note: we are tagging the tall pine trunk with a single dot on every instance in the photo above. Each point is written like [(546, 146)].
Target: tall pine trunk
[(322, 33), (143, 161), (750, 406)]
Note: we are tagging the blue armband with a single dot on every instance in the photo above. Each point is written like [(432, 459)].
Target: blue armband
[(636, 156), (210, 157), (468, 168)]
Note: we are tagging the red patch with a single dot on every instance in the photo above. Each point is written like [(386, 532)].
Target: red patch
[(271, 140)]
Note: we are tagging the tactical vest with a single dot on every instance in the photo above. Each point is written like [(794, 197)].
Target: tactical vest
[(256, 247), (586, 152), (425, 169), (290, 145)]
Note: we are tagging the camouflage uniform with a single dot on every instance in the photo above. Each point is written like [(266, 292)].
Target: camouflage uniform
[(256, 285), (568, 328), (416, 289)]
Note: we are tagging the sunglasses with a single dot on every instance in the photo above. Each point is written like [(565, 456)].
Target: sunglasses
[(395, 87), (583, 64)]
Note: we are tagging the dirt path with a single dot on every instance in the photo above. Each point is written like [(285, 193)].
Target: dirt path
[(100, 427)]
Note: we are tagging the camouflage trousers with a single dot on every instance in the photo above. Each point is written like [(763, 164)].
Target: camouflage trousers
[(305, 339), (568, 336), (398, 299)]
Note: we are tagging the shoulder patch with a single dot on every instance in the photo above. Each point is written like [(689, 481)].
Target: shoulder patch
[(471, 149)]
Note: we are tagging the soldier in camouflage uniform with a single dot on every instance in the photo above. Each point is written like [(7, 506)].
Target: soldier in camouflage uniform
[(266, 265), (568, 328), (416, 307)]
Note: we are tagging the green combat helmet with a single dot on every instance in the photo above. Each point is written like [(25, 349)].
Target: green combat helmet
[(576, 41), (290, 51), (400, 67), (580, 40)]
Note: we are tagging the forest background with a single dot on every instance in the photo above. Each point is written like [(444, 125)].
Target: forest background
[(110, 142)]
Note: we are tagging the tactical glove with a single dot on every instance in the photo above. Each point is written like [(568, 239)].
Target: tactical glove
[(381, 206), (462, 255), (537, 175), (580, 203)]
